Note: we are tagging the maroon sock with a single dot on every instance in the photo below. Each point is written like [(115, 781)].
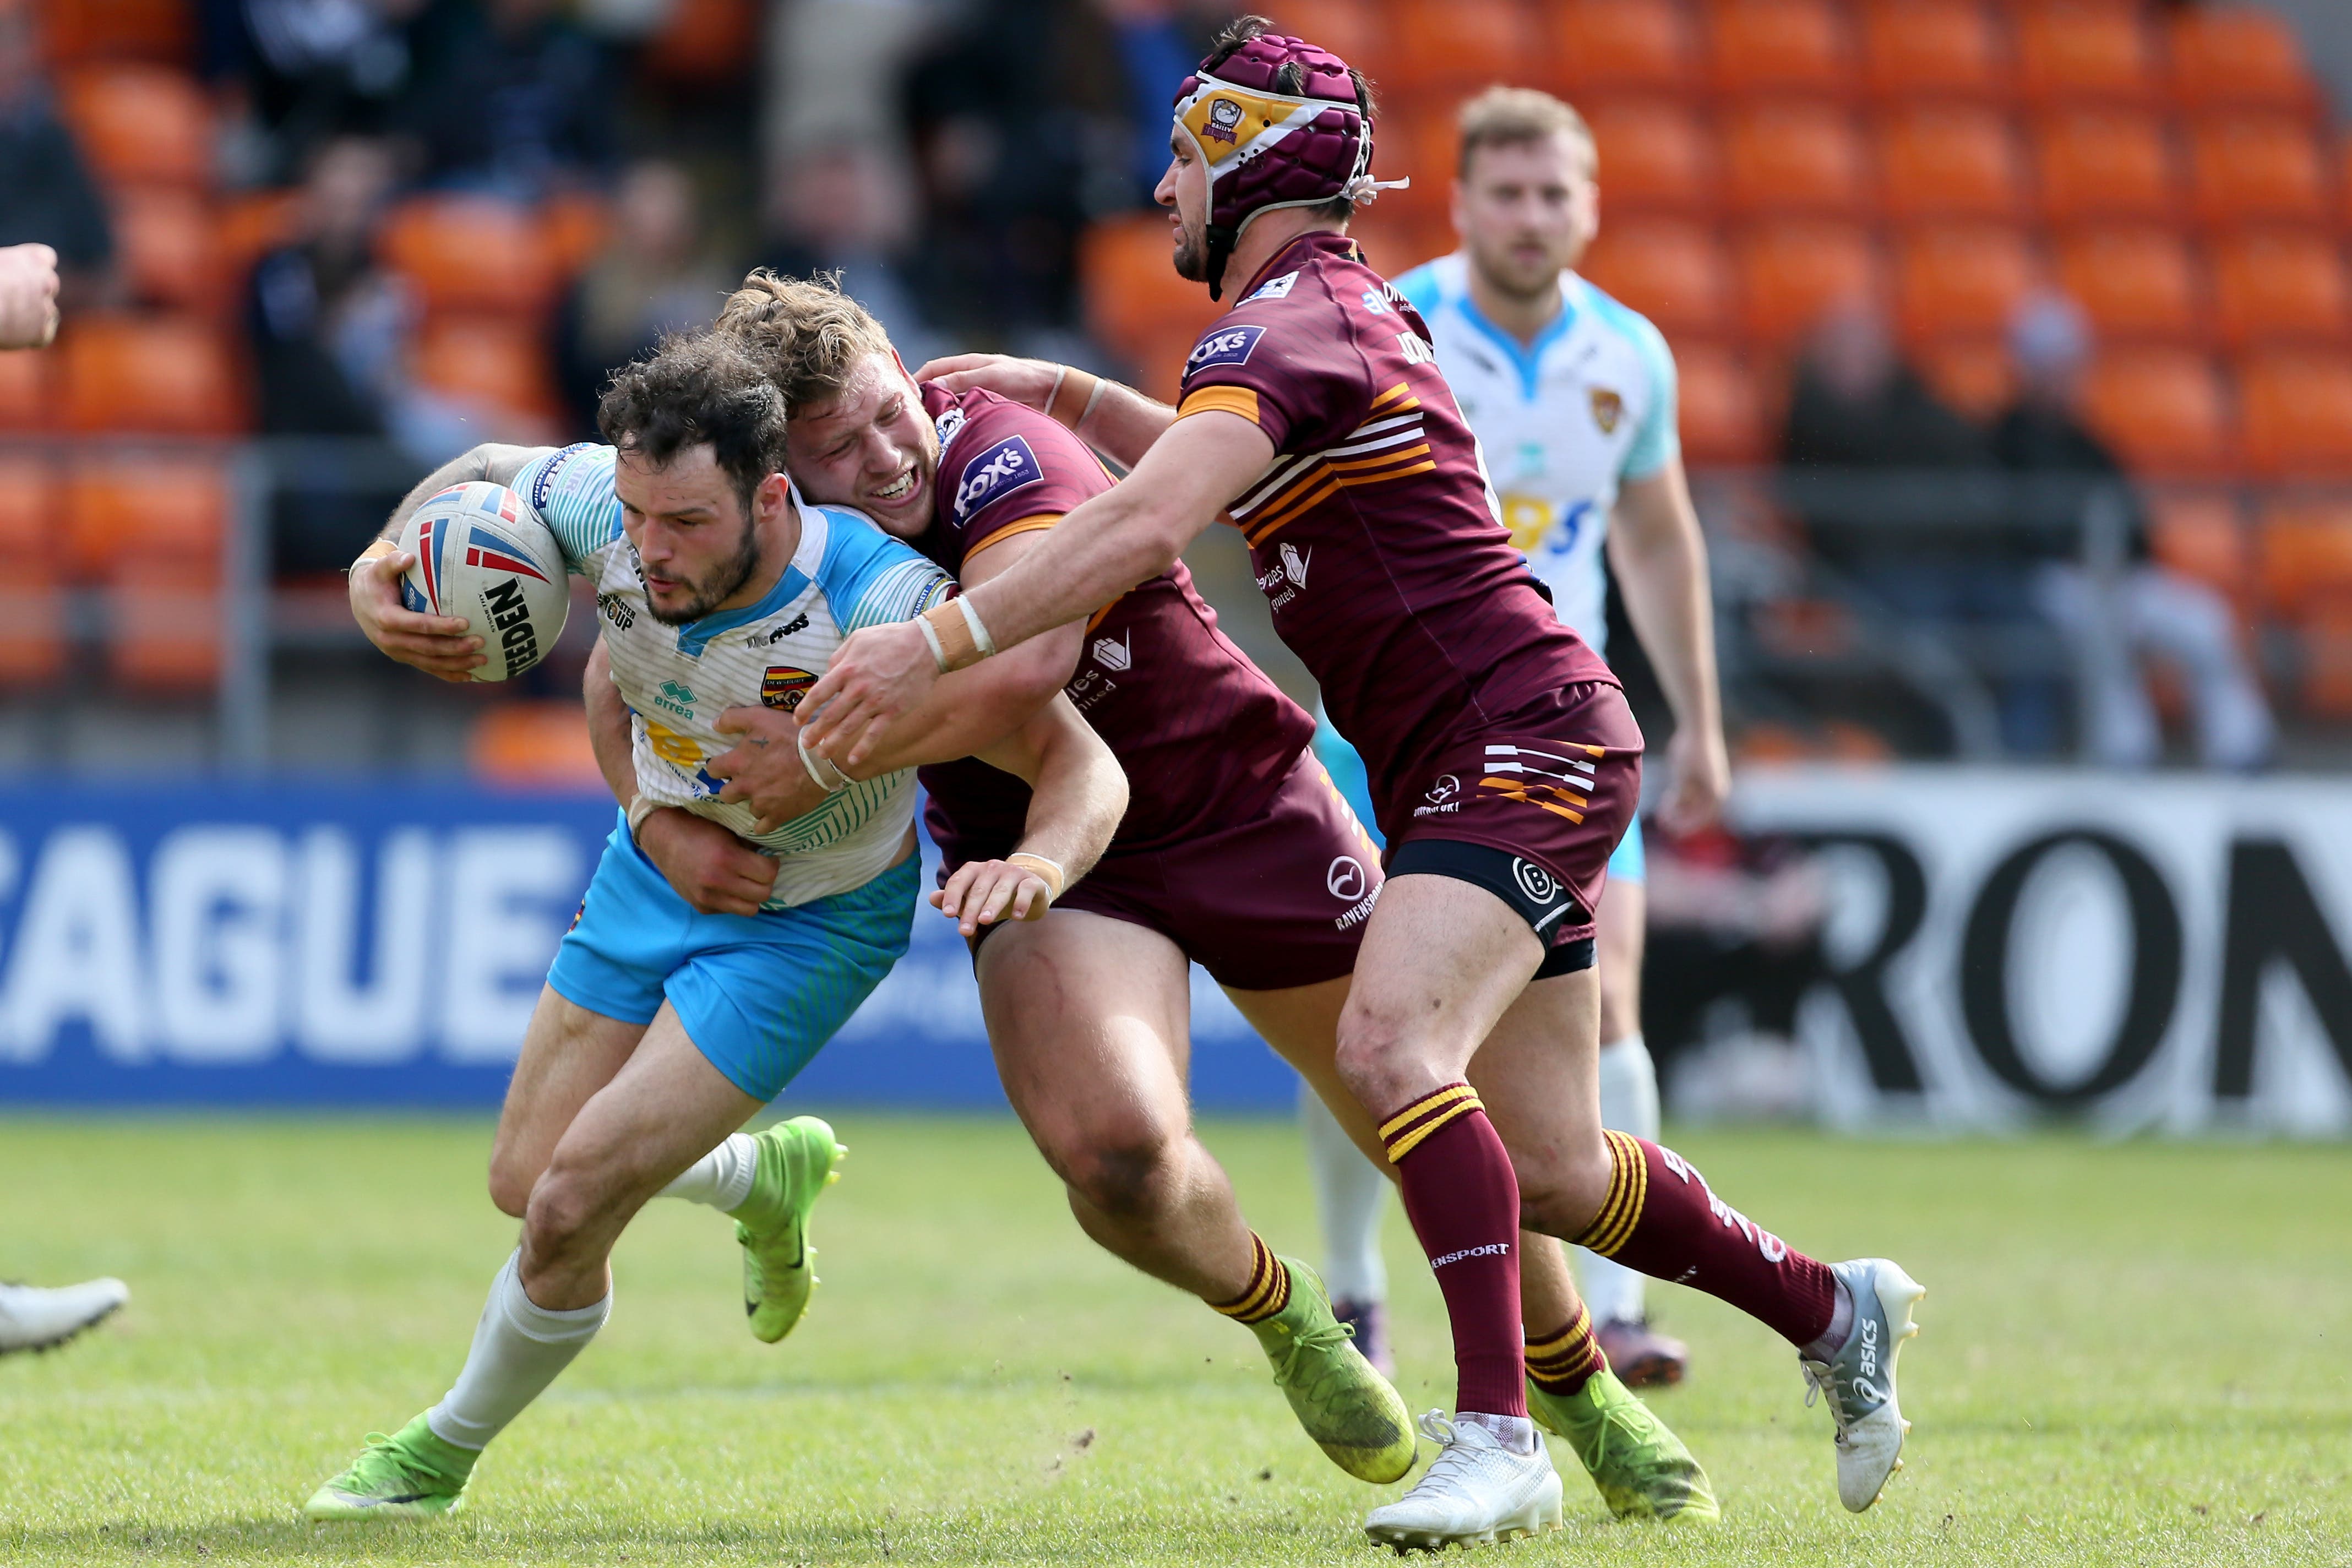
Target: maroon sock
[(1660, 1219), (1563, 1361), (1463, 1198)]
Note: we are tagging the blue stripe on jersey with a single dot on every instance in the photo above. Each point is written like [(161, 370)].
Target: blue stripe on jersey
[(1659, 440), (695, 636), (868, 577), (1527, 359)]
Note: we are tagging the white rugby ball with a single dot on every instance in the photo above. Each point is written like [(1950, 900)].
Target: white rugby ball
[(483, 558)]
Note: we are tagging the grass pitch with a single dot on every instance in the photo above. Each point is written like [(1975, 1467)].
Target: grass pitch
[(2139, 1354)]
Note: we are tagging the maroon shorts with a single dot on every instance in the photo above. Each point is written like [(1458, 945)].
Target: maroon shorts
[(1277, 900), (1560, 799)]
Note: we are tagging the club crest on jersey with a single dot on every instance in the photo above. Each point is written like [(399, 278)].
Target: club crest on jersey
[(784, 687), (1295, 563), (1607, 409), (1276, 288), (999, 471), (1225, 117), (1115, 656), (1226, 345), (947, 424)]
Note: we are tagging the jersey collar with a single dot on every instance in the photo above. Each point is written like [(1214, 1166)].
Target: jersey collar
[(1526, 359), (695, 636), (1324, 239)]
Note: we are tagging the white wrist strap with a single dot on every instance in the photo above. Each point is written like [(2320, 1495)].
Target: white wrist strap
[(938, 653), (1061, 373), (818, 768), (1101, 383), (986, 644), (643, 806)]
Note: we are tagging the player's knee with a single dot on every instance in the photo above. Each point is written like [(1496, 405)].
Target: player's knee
[(1128, 1173), (510, 1184), (564, 1202), (1376, 1062)]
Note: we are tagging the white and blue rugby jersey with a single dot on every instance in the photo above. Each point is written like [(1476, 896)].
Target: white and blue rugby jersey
[(1563, 422), (847, 574)]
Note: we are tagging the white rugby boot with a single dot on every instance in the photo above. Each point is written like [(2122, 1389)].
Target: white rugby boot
[(1475, 1490), (32, 1319), (1858, 1381)]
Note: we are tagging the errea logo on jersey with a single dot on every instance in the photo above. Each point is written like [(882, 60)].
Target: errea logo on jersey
[(1007, 467), (677, 697), (1228, 346)]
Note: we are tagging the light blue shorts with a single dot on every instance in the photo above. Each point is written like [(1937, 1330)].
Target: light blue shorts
[(1626, 863), (759, 995)]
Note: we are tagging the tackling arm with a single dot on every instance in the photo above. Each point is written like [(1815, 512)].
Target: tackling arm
[(1114, 420), (1659, 554), (1077, 795)]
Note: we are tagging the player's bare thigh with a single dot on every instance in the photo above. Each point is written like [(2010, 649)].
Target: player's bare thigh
[(568, 1053), (1302, 1023), (1619, 924), (1091, 1019), (1538, 1076)]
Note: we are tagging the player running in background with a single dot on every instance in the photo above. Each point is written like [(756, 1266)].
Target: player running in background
[(667, 1024), (1571, 396), (1502, 757), (1235, 850)]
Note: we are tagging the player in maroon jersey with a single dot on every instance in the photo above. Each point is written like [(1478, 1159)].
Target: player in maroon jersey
[(1502, 756), (1088, 1010)]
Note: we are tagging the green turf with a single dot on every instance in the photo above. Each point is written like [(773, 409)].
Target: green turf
[(2131, 1354)]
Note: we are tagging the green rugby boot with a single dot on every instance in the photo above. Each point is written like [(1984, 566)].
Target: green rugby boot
[(1640, 1469), (412, 1475), (1346, 1406), (796, 1164)]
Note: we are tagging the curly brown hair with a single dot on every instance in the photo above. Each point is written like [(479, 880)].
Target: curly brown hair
[(698, 388), (804, 334)]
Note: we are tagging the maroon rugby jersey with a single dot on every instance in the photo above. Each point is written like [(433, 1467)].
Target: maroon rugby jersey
[(1374, 532), (1204, 736)]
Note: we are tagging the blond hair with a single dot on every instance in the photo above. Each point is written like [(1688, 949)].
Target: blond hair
[(1510, 116), (804, 332)]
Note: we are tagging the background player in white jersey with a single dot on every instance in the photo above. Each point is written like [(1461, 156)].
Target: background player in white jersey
[(665, 1025), (1571, 396)]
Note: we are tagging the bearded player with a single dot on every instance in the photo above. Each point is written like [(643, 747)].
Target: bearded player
[(667, 1022), (1501, 755), (1571, 396)]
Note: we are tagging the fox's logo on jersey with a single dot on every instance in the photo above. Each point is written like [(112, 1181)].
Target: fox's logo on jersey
[(997, 472), (1227, 346), (784, 687)]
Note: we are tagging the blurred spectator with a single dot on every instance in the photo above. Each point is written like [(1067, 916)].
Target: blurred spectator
[(835, 73), (512, 99), (653, 277), (47, 193), (1159, 42), (291, 72), (847, 208), (2115, 604)]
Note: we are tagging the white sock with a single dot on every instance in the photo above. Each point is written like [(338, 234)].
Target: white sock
[(1516, 1432), (519, 1348), (1351, 1194), (722, 1178), (1628, 1103)]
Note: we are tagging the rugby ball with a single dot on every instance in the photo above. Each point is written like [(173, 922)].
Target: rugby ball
[(483, 558)]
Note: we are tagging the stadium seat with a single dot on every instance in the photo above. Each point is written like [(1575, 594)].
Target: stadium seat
[(164, 629), (1462, 45), (2305, 553), (1792, 272), (1655, 156), (1721, 408), (1357, 30), (1623, 45), (1132, 291), (252, 225), (1953, 280), (532, 745), (2096, 164), (169, 375), (1394, 241), (2258, 168), (2133, 282), (1422, 143), (1914, 51), (171, 249), (2201, 534), (496, 363), (2163, 409), (2073, 54), (73, 31), (704, 43), (573, 225), (142, 123), (170, 510), (1948, 159), (1794, 157), (2280, 286), (2298, 406), (2239, 56), (26, 385), (471, 252), (29, 491), (1974, 376), (1779, 46), (1672, 270)]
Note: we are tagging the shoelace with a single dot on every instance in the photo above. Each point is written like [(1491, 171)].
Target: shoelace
[(1820, 1382), (1457, 1453), (1319, 1341)]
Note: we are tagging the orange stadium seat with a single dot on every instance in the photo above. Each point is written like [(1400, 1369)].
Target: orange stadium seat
[(1974, 376), (2163, 409), (29, 507), (1794, 156), (1721, 408), (1779, 45), (1358, 31), (251, 226), (2067, 54), (141, 123), (1792, 272), (1132, 291), (2239, 56), (573, 225), (26, 385), (170, 510), (2201, 534), (500, 363), (165, 628), (1672, 270), (171, 248), (1914, 50), (2106, 163), (1620, 45), (705, 43), (2281, 286), (2297, 405), (1393, 241), (532, 745), (76, 30), (1461, 45), (2305, 553), (1418, 142), (1948, 159), (471, 252), (169, 375), (1655, 155), (2132, 283), (1952, 280), (2258, 167)]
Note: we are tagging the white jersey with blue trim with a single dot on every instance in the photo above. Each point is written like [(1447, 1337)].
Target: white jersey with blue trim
[(676, 679), (1564, 422)]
